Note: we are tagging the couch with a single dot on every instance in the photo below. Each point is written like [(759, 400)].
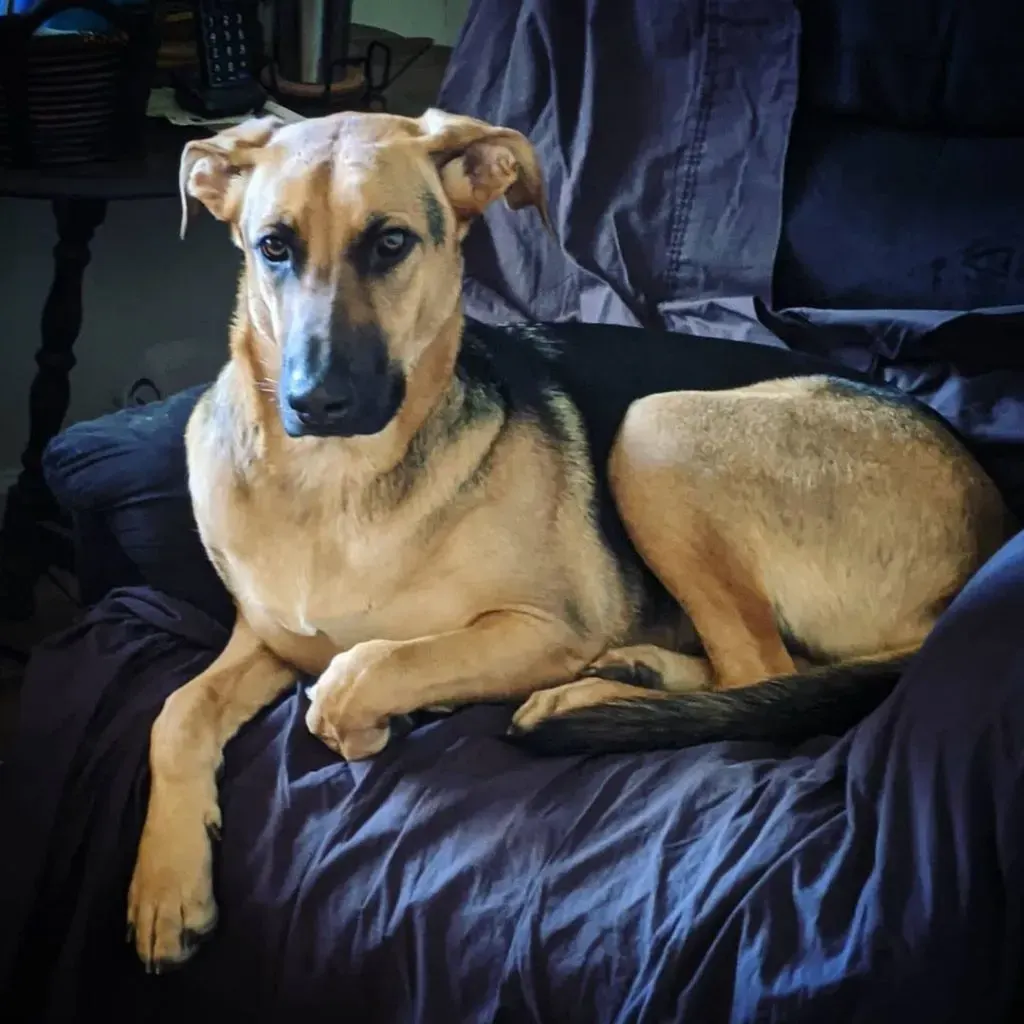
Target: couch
[(764, 187)]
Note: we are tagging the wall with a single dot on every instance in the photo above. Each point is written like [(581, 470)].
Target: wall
[(153, 305), (143, 288), (439, 20)]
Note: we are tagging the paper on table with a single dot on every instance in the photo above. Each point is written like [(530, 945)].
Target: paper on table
[(163, 104)]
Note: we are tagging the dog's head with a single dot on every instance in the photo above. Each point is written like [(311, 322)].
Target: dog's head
[(351, 226)]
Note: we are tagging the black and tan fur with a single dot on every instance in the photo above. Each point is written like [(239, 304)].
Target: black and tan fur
[(421, 514)]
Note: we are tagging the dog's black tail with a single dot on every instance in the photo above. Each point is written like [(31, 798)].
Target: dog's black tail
[(824, 701)]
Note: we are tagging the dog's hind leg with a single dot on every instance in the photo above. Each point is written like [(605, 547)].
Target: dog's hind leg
[(170, 901), (653, 667), (584, 693), (657, 668), (732, 615), (670, 520), (623, 673)]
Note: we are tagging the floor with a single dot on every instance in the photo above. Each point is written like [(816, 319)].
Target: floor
[(413, 91), (56, 609)]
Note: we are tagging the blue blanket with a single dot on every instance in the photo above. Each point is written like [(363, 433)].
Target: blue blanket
[(875, 878), (872, 878)]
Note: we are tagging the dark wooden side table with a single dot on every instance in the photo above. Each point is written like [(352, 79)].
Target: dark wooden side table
[(30, 541)]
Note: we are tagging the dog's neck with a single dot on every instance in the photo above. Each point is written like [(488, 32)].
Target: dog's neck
[(430, 387)]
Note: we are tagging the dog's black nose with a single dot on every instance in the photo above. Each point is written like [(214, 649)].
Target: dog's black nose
[(317, 405)]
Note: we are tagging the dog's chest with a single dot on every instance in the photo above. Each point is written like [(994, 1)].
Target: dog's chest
[(352, 589)]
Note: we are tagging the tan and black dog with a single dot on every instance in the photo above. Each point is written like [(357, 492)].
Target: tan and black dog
[(424, 515)]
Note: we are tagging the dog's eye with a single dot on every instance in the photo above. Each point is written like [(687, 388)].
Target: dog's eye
[(390, 247), (274, 249)]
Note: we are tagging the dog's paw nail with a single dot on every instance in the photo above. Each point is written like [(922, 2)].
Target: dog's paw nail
[(647, 677)]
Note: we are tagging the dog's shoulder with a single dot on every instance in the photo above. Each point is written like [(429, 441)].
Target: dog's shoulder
[(515, 367), (534, 373)]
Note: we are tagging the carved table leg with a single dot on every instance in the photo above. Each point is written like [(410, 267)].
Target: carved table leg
[(23, 542)]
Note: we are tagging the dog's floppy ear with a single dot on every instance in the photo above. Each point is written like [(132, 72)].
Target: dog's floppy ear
[(212, 170), (480, 162)]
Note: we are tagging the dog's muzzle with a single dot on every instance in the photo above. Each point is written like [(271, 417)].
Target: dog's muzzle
[(334, 399)]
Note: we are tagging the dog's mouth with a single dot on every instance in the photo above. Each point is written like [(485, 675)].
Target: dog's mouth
[(372, 407)]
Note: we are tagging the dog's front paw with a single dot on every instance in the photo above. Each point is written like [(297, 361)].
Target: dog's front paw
[(349, 703), (170, 900)]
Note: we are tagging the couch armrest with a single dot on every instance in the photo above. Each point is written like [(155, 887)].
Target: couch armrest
[(123, 479)]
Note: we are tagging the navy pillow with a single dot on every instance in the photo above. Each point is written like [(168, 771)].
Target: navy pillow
[(124, 476)]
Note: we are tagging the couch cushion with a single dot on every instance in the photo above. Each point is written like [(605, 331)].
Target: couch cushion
[(882, 218), (938, 65), (664, 177), (905, 158)]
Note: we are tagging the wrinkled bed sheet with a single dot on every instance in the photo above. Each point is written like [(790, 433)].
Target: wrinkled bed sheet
[(454, 878), (876, 878)]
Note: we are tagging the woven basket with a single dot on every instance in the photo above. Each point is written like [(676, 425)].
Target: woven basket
[(73, 97)]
